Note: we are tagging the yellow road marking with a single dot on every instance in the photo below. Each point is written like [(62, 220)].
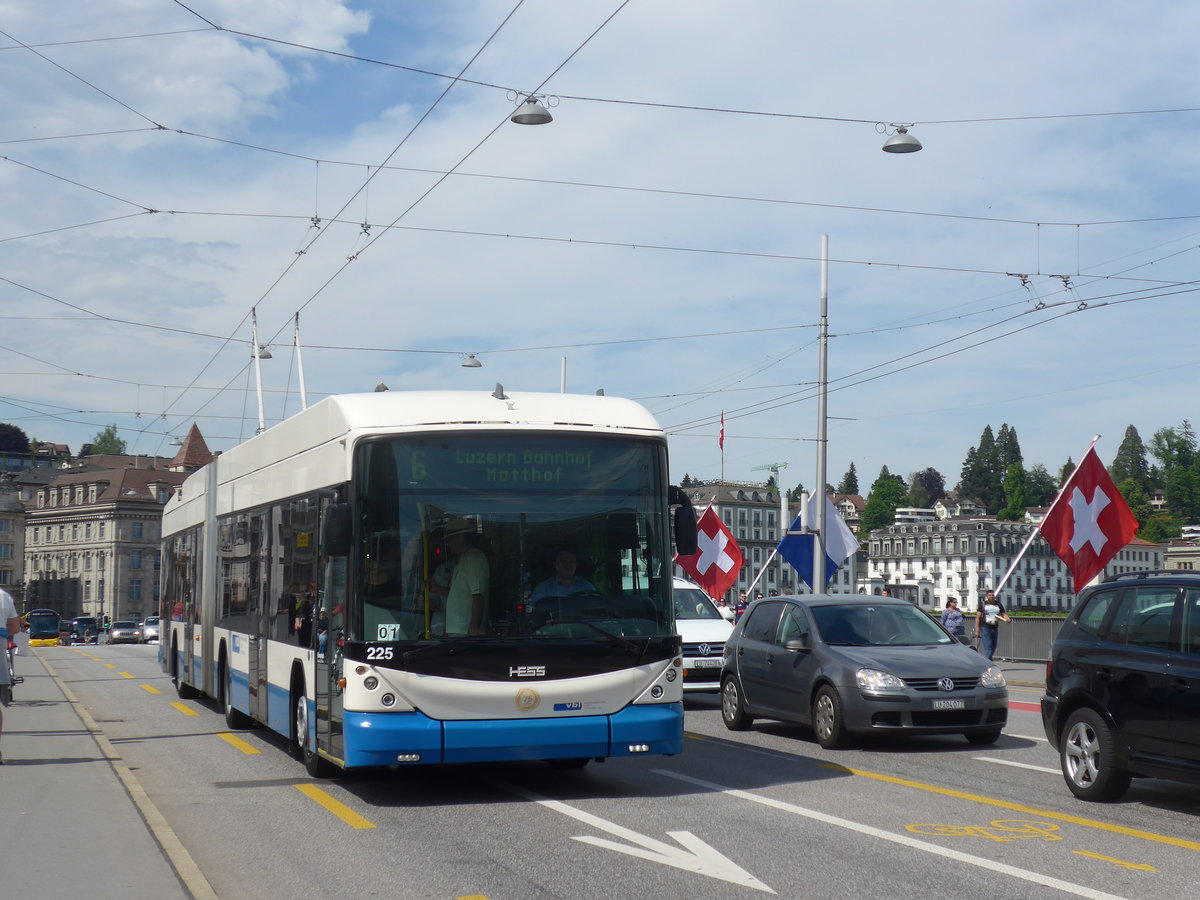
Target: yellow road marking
[(237, 742), (183, 709), (149, 688), (1125, 864), (110, 665), (126, 675), (1004, 804), (339, 809)]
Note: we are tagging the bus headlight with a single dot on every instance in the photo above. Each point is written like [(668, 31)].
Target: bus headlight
[(671, 675), (657, 691), (388, 699), (370, 682)]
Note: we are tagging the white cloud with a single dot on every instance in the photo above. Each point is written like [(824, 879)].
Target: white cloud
[(505, 264)]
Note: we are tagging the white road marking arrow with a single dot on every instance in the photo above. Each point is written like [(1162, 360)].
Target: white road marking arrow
[(693, 854)]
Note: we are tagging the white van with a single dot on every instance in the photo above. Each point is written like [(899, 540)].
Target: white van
[(704, 631)]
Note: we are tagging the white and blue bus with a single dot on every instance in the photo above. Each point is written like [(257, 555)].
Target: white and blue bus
[(374, 579)]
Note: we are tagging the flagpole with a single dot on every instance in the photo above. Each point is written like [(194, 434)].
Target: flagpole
[(822, 437), (1037, 529), (721, 442), (758, 577)]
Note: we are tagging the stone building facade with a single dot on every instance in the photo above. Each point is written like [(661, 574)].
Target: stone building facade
[(927, 563)]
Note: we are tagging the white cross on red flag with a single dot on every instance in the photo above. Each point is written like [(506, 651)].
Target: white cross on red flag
[(715, 564), (1089, 520)]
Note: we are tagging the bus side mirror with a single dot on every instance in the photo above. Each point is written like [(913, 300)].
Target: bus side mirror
[(335, 530), (685, 521)]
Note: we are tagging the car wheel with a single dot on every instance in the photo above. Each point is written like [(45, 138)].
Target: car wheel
[(827, 719), (733, 707), (983, 737), (1089, 758)]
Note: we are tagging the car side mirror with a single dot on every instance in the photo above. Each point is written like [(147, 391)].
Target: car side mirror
[(963, 639), (798, 644)]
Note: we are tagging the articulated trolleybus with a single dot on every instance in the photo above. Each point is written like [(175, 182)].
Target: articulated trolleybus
[(435, 577)]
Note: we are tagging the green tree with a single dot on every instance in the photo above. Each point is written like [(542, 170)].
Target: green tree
[(1138, 501), (1014, 492), (887, 493), (849, 482), (108, 442), (13, 439), (1130, 461), (1040, 486), (795, 493), (1008, 449), (1065, 472), (687, 480), (926, 488)]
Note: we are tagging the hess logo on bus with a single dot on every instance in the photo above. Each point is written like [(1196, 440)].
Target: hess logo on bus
[(526, 671)]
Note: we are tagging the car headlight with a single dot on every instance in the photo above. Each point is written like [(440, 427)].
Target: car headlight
[(992, 678), (874, 680)]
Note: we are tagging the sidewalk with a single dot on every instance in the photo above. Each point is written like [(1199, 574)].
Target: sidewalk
[(1024, 674), (68, 823)]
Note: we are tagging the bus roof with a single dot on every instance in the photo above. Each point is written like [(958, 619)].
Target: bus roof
[(318, 439)]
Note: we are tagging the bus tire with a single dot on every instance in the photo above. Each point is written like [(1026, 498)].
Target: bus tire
[(315, 764), (182, 688), (234, 718)]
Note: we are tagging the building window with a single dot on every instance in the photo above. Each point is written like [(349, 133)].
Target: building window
[(5, 525), (135, 559), (135, 591), (6, 551), (91, 493), (137, 531), (101, 531), (87, 531)]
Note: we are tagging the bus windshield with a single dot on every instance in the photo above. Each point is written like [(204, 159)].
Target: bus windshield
[(43, 623), (537, 535)]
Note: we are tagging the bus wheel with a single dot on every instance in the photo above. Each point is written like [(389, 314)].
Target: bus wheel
[(572, 763), (182, 688), (315, 764), (234, 718)]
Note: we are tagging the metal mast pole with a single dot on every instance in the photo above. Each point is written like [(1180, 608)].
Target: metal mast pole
[(300, 367), (822, 439), (262, 421)]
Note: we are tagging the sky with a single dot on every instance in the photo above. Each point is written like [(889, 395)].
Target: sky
[(173, 171)]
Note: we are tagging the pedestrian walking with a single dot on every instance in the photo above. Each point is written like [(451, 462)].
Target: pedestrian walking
[(987, 623), (952, 619)]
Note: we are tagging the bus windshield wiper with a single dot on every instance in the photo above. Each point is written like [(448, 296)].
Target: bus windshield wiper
[(624, 643)]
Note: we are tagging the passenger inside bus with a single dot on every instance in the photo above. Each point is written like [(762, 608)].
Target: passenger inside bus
[(466, 592)]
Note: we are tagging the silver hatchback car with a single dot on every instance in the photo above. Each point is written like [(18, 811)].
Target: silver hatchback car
[(854, 665)]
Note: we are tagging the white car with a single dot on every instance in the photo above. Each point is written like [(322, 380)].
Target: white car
[(704, 631)]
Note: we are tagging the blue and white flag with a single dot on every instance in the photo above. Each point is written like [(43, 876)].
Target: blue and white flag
[(840, 542)]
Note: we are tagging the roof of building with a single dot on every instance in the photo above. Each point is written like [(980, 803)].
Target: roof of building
[(193, 453)]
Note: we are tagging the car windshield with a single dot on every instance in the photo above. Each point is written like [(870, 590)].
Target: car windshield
[(124, 625), (868, 625), (691, 603), (153, 620)]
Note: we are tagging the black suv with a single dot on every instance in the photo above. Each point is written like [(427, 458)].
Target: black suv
[(1123, 684)]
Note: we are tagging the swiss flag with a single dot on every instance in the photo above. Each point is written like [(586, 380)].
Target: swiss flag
[(1089, 520), (715, 564)]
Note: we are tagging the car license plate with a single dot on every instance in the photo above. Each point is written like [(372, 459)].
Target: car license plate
[(949, 704), (708, 663)]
